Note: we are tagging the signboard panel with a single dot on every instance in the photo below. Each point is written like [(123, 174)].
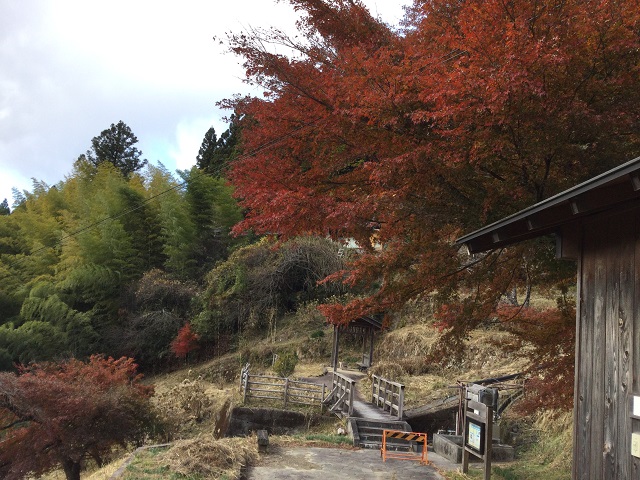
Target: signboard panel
[(475, 436)]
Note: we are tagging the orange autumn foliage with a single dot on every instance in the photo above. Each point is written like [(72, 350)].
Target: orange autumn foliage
[(470, 112), (186, 341)]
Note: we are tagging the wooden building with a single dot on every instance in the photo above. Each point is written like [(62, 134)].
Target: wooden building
[(364, 328), (597, 224)]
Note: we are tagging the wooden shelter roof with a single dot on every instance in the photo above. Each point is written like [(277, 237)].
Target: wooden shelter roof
[(367, 321), (614, 188)]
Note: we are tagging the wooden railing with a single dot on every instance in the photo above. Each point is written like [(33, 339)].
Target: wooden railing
[(388, 395), (343, 390), (278, 388)]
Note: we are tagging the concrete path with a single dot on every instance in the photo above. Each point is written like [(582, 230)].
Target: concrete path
[(315, 463)]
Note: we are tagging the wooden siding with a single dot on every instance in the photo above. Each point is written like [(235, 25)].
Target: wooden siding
[(608, 346)]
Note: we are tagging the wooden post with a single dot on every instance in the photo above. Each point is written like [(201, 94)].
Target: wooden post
[(286, 391), (488, 444), (460, 416), (336, 346), (372, 330), (385, 393), (243, 373), (373, 390), (401, 402), (352, 394), (246, 385)]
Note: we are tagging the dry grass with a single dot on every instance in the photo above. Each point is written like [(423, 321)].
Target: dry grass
[(310, 370), (208, 457), (108, 470), (407, 342), (401, 356), (544, 451), (192, 406), (553, 440), (92, 473)]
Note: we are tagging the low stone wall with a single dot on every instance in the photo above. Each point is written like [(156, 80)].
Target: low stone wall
[(450, 447), (245, 420)]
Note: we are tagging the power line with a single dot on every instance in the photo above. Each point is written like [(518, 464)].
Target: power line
[(164, 192), (450, 56)]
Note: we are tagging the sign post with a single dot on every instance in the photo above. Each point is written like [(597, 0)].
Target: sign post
[(480, 403)]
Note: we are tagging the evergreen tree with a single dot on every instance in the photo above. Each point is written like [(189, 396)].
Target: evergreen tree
[(207, 149), (178, 232), (116, 145), (215, 154), (213, 211), (4, 207)]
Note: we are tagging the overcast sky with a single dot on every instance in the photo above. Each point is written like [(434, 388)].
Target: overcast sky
[(71, 68)]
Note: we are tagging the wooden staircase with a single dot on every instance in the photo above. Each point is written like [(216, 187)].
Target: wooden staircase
[(367, 433)]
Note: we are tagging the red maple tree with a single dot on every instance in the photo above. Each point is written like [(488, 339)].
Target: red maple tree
[(186, 341), (59, 414), (472, 111)]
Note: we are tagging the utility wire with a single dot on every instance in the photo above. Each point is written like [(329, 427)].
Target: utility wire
[(451, 56), (250, 154)]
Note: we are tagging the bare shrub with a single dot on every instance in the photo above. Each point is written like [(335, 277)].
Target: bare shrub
[(182, 406), (260, 282)]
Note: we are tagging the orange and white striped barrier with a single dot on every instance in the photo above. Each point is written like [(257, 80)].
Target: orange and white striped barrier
[(409, 437)]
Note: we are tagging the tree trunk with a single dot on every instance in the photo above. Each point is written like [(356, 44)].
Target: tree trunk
[(95, 454), (71, 469)]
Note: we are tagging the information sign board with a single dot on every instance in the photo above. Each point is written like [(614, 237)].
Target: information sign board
[(475, 436)]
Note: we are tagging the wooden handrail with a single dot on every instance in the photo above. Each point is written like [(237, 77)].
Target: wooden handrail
[(344, 389), (388, 395)]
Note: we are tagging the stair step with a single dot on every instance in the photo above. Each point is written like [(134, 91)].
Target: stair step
[(381, 425), (364, 431), (392, 448), (367, 433)]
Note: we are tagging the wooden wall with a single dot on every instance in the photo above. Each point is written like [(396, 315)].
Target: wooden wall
[(608, 345)]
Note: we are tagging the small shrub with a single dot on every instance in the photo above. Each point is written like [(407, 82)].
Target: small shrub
[(285, 364), (317, 334)]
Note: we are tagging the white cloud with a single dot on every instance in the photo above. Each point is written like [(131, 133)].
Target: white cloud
[(70, 68), (189, 135)]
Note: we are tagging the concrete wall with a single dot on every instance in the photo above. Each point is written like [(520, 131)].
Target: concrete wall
[(245, 420)]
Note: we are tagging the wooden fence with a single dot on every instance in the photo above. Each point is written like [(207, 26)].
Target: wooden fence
[(388, 395), (283, 389)]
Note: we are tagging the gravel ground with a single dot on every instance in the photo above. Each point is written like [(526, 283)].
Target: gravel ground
[(313, 463)]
